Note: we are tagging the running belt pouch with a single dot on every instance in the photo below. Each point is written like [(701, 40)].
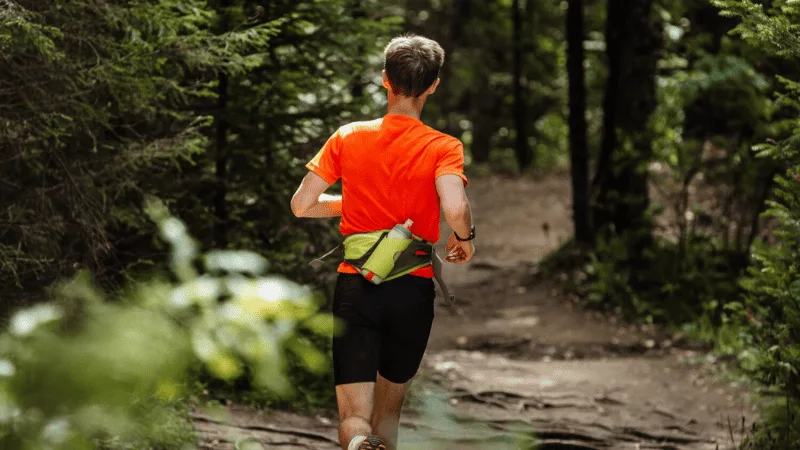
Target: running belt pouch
[(379, 258), (382, 260)]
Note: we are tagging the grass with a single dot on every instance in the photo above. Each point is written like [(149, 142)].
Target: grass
[(174, 431)]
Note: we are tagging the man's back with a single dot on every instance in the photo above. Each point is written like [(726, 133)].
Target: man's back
[(388, 169)]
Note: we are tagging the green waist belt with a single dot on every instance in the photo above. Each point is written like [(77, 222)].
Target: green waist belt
[(381, 258)]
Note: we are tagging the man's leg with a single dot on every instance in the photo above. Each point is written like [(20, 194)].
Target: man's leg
[(355, 355), (407, 309), (389, 398), (355, 409)]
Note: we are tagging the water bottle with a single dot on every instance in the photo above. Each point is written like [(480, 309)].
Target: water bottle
[(399, 231)]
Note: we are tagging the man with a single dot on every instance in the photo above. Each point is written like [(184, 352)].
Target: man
[(392, 169)]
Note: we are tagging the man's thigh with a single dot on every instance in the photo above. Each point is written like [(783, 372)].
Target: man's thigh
[(356, 350), (407, 309)]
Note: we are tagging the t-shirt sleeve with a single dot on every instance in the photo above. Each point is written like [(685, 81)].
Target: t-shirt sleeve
[(327, 162), (451, 160)]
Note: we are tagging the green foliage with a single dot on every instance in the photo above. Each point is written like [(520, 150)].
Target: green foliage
[(722, 136), (172, 430), (319, 70), (93, 103), (672, 283), (709, 187), (211, 109), (770, 311), (83, 369), (474, 101), (312, 390), (772, 314), (774, 28)]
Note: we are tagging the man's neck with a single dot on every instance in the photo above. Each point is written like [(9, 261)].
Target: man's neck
[(405, 106)]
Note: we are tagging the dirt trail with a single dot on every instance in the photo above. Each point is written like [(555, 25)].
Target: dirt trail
[(514, 358)]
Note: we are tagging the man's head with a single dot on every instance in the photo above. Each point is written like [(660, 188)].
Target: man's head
[(412, 65)]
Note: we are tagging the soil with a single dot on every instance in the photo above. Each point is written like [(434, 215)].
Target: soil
[(516, 358)]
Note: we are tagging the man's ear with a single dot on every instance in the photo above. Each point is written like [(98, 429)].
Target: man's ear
[(433, 87), (386, 80)]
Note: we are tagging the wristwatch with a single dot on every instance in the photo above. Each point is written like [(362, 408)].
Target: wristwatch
[(471, 235)]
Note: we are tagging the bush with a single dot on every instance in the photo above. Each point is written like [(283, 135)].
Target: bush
[(313, 390), (772, 314), (671, 283), (83, 370), (771, 310)]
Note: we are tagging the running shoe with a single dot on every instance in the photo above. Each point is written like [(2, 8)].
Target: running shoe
[(372, 442)]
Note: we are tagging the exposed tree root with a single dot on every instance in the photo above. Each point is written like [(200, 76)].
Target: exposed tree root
[(200, 418), (565, 433)]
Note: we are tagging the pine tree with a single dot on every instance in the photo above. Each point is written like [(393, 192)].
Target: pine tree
[(772, 309), (208, 105), (93, 105)]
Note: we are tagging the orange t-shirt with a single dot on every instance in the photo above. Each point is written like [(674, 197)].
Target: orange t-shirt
[(388, 169)]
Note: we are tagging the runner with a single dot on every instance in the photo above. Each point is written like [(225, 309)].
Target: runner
[(393, 169)]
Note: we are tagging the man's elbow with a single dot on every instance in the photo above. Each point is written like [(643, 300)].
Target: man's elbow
[(298, 208)]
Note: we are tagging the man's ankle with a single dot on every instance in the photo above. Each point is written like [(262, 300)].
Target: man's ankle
[(356, 428), (355, 442)]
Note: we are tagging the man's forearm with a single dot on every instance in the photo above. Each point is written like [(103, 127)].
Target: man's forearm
[(326, 206), (459, 219)]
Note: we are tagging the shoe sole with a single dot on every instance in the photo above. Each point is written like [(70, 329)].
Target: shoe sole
[(372, 443)]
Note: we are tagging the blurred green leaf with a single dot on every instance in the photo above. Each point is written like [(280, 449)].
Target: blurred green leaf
[(236, 261)]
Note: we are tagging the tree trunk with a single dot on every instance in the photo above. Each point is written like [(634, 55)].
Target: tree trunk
[(615, 22), (450, 40), (357, 86), (522, 150), (482, 110), (220, 202), (481, 140), (634, 41), (579, 154)]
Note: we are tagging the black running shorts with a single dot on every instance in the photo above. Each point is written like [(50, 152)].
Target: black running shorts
[(386, 327)]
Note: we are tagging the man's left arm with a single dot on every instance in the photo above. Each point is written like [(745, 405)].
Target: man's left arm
[(310, 200)]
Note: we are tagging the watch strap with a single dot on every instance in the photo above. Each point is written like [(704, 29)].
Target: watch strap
[(468, 238)]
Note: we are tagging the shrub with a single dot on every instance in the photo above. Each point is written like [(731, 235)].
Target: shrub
[(771, 309), (671, 283), (82, 369)]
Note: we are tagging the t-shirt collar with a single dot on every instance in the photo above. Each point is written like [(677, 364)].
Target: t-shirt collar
[(401, 117)]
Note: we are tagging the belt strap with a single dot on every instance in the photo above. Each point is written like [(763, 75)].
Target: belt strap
[(316, 263), (435, 260), (437, 273), (417, 254)]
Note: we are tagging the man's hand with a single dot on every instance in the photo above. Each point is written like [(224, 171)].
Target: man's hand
[(459, 252)]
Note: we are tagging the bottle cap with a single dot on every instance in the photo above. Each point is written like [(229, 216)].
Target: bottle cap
[(408, 223)]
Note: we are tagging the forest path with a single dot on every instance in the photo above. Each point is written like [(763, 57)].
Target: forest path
[(514, 358)]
